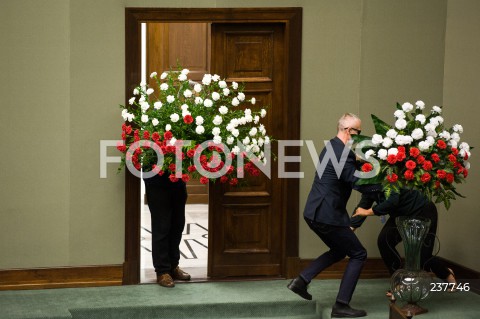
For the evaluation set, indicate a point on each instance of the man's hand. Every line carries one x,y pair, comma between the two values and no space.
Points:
363,212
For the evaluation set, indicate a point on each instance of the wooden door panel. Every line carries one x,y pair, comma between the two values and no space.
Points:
247,221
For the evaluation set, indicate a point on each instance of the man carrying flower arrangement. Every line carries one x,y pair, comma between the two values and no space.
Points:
187,129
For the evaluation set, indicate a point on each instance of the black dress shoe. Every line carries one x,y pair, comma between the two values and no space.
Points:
341,310
299,286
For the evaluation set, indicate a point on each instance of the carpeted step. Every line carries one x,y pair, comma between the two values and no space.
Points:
282,309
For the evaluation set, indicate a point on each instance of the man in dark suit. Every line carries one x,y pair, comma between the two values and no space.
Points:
326,214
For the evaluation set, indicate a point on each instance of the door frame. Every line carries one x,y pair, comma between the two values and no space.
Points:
292,19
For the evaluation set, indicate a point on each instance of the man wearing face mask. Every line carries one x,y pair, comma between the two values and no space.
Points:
326,214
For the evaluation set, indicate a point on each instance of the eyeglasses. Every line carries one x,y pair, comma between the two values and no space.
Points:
356,130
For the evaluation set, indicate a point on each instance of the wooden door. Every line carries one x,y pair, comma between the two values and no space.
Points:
246,236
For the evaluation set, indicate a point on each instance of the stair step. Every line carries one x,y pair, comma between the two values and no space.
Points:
197,189
197,199
286,309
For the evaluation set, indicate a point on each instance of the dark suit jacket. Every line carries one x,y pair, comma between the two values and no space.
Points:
329,195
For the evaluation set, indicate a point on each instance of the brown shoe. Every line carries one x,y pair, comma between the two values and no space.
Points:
165,280
179,274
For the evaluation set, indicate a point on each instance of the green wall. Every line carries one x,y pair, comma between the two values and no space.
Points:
63,65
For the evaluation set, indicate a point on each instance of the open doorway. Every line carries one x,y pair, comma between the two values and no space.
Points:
167,46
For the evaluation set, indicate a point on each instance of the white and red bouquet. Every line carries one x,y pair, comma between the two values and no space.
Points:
419,152
183,128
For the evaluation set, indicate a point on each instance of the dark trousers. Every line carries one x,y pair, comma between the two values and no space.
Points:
389,238
342,242
167,209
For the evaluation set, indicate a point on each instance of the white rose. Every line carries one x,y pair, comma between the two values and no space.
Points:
150,91
144,106
445,135
452,143
208,103
420,105
417,134
382,154
174,117
217,120
400,124
464,146
235,132
216,131
253,131
168,127
185,113
170,99
423,146
135,91
215,96
234,85
173,141
430,127
163,75
223,110
226,91
199,120
263,113
187,93
143,84
403,140
222,84
199,129
207,79
466,165
164,86
217,139
184,107
387,142
144,118
235,101
399,114
230,140
458,128
241,96
253,100
216,77
455,136
256,119
157,105
407,107
430,140
260,142
267,140
131,101
141,99
420,118
236,150
185,71
392,133
369,153
393,151
155,122
436,109
130,117
153,74
197,87
439,119
198,100
246,140
182,77
377,139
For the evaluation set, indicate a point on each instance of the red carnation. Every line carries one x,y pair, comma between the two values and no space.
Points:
441,174
203,180
190,153
168,135
401,156
146,135
172,178
455,151
392,178
121,147
367,167
441,144
401,149
128,129
450,178
392,159
414,152
188,119
437,184
161,172
452,158
172,167
185,178
427,165
223,179
410,164
192,168
465,172
155,136
435,157
425,178
124,136
409,175
234,181
420,159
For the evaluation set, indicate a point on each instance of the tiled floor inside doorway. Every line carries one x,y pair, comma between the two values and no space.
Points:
193,248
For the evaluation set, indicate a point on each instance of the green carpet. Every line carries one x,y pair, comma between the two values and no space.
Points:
251,299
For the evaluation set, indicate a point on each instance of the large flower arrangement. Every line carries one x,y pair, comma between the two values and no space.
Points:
195,129
418,152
